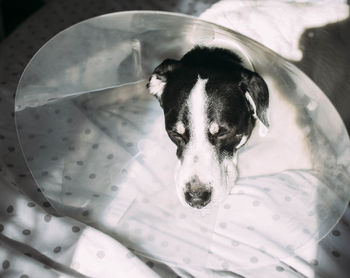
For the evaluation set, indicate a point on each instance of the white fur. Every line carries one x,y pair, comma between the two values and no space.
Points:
252,103
213,128
156,86
263,130
180,128
243,140
199,149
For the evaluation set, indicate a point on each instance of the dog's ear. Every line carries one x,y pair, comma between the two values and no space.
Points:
257,94
158,79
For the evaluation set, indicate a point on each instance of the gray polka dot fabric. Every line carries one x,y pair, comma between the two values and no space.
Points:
42,236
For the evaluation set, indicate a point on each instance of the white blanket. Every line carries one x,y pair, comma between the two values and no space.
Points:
256,233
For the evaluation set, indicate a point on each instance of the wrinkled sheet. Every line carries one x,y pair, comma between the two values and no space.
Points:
30,239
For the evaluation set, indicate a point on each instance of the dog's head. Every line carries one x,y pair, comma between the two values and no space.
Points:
211,104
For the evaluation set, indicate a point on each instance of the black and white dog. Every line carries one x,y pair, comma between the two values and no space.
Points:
211,104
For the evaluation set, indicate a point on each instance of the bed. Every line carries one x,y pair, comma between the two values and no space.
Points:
57,235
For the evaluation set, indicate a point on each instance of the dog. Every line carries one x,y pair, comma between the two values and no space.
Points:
211,105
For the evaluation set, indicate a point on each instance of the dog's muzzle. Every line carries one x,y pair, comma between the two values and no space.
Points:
197,194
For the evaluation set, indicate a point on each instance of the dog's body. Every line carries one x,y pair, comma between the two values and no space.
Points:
212,105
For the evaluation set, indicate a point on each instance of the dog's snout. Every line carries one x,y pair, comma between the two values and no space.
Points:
197,194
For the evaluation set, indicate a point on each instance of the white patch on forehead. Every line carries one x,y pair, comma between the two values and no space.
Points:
200,158
213,128
197,105
180,128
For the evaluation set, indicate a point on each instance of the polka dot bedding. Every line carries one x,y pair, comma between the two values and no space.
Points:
36,240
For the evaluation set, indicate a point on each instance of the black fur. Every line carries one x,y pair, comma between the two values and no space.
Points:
227,84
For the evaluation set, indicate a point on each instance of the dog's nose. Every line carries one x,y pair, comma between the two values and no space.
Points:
197,194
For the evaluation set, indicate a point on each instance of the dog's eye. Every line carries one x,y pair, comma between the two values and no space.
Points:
177,137
222,132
